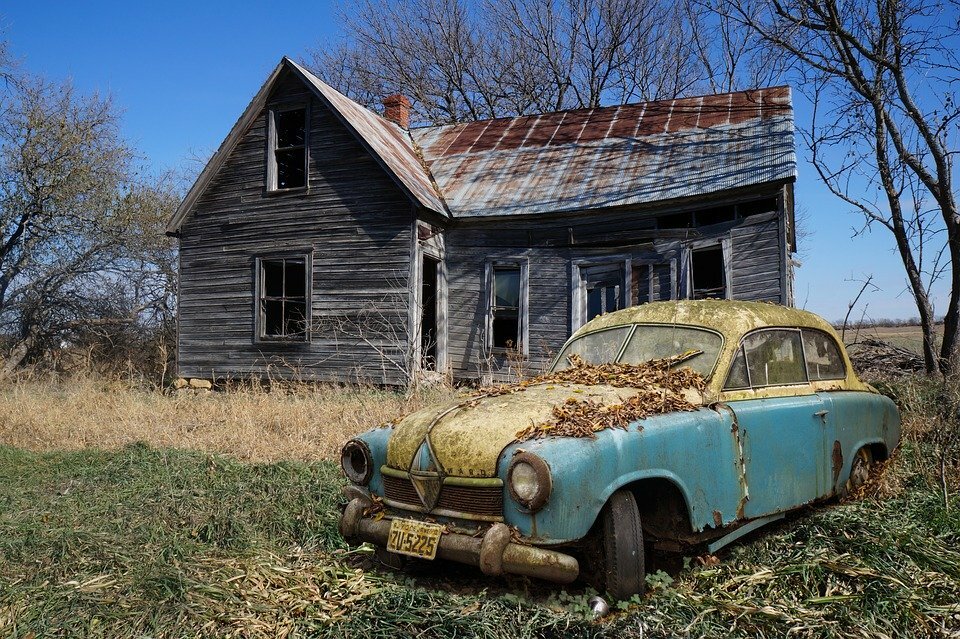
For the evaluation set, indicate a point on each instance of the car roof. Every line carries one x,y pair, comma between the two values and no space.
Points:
731,318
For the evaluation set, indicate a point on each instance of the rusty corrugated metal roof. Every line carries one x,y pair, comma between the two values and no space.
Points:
612,156
564,161
391,144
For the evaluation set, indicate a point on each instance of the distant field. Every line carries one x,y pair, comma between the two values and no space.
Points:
910,337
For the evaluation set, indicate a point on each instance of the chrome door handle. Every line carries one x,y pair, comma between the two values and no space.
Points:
821,413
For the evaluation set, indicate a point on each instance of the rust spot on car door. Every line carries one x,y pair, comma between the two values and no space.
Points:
837,461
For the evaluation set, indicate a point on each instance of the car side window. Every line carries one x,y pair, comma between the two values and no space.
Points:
775,357
737,377
823,356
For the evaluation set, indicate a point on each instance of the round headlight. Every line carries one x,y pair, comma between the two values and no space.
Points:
529,480
357,462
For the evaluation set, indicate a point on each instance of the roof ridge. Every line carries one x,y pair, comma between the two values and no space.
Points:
609,106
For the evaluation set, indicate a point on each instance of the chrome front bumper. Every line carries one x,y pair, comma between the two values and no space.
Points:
493,553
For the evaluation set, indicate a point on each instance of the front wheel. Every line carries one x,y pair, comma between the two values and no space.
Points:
624,572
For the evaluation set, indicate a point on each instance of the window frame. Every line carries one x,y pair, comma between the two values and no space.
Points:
272,171
490,267
259,332
840,352
803,353
634,326
725,243
578,285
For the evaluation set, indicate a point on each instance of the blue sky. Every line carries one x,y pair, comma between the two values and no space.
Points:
183,72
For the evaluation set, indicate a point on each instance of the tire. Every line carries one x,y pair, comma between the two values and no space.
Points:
859,470
624,572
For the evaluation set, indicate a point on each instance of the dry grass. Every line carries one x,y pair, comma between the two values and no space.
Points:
302,423
909,337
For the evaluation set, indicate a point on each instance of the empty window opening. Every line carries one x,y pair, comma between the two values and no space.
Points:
603,286
709,274
289,149
717,215
283,298
505,309
675,221
755,207
428,322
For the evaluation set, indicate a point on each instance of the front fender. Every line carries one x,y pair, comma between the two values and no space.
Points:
376,439
696,451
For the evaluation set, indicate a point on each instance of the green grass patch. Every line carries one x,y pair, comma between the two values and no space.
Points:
163,543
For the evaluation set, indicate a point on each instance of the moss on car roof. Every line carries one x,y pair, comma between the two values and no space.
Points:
732,318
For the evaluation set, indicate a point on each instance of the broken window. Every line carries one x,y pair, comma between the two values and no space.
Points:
283,298
766,205
603,289
708,273
716,215
675,221
288,157
505,311
822,356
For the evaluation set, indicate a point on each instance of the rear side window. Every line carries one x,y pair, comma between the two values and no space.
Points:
737,378
775,357
823,356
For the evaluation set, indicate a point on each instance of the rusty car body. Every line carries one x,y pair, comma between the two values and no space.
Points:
781,421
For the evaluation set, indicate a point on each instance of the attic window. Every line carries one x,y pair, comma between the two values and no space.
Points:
283,295
287,162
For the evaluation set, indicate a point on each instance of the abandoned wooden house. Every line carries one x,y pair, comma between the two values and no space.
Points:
326,241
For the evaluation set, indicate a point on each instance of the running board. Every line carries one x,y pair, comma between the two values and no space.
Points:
743,530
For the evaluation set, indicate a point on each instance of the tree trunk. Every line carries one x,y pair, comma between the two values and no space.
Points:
950,347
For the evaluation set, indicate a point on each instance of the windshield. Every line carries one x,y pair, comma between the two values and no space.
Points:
649,341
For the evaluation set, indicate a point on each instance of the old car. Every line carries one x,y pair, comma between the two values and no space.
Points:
772,417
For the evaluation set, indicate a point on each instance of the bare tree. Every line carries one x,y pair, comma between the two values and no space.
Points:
464,60
81,243
731,57
882,78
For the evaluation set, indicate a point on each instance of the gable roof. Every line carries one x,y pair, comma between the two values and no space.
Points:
385,139
565,161
612,156
388,143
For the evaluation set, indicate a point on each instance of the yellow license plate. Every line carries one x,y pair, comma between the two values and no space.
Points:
414,538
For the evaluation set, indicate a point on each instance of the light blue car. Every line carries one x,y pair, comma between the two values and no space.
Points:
781,421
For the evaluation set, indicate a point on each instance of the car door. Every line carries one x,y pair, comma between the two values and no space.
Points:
782,423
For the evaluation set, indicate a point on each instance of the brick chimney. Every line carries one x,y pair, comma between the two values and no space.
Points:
396,108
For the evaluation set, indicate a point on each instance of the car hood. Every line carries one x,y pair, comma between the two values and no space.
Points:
467,436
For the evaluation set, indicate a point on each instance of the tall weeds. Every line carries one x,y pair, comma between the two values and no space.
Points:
290,422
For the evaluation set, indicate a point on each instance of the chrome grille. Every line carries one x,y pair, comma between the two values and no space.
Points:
477,500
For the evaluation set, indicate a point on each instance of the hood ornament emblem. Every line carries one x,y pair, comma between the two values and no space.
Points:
425,475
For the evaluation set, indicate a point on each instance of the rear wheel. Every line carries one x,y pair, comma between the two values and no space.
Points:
623,553
859,470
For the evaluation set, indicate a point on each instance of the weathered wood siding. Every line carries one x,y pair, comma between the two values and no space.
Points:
552,249
757,260
353,220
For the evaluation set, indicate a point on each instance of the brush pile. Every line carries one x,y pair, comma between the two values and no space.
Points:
660,390
876,356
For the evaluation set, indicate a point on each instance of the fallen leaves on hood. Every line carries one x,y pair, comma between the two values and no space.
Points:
661,390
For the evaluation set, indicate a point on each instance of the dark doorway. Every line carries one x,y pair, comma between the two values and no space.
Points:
428,313
709,274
